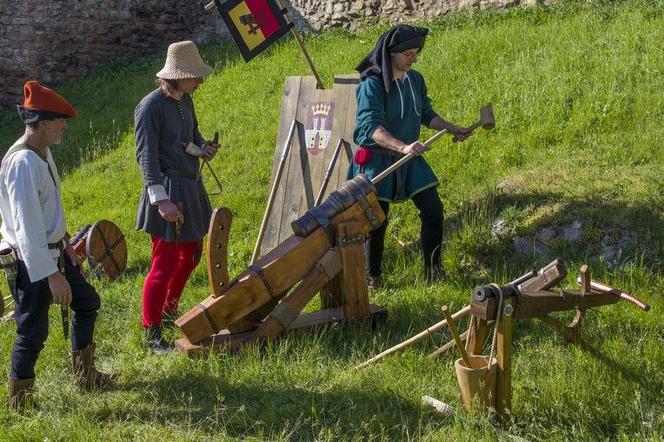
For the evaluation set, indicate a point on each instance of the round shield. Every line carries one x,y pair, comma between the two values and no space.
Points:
107,249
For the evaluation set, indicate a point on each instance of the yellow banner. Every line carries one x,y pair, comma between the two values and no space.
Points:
251,33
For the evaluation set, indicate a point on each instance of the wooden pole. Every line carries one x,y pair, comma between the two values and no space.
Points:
504,360
455,335
310,62
418,337
300,42
378,178
603,288
328,173
210,6
445,348
273,191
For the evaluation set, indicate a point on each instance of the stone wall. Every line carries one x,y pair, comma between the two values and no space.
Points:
58,39
352,14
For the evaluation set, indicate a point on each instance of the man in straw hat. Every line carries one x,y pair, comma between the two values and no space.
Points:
48,268
174,207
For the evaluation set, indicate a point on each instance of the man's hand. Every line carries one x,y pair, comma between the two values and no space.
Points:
416,148
60,289
73,257
209,150
169,211
459,133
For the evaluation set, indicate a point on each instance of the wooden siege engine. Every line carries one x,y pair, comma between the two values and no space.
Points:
532,297
324,255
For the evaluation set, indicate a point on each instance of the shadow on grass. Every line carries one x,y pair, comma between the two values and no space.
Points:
105,101
213,405
468,232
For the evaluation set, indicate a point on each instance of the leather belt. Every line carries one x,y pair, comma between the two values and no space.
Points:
59,245
180,174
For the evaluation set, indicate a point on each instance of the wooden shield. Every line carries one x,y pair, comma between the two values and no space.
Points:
107,249
324,118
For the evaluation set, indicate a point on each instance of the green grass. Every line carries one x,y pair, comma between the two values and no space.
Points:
579,103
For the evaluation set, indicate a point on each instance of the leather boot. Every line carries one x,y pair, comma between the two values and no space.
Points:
168,319
85,374
156,342
374,282
434,274
20,394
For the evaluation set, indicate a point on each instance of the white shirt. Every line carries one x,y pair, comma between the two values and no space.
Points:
31,210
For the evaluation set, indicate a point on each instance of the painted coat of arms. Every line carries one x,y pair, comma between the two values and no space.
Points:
318,130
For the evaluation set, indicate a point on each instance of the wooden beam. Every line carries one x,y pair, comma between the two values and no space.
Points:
504,360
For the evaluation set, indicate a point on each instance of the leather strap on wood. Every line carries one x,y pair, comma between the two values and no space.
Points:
259,271
369,212
209,318
283,314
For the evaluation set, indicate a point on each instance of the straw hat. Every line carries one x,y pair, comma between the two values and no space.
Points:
183,61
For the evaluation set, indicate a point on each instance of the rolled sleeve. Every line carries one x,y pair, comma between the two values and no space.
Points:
28,220
370,111
156,193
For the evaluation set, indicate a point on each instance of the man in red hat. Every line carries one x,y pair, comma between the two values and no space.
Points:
34,227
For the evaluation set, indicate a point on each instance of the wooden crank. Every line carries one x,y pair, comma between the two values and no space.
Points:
523,302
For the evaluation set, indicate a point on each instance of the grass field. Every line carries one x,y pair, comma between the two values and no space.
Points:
578,93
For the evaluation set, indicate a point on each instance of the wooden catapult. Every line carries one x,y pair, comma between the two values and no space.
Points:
324,255
531,296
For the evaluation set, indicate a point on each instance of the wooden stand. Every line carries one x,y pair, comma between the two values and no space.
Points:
339,273
535,304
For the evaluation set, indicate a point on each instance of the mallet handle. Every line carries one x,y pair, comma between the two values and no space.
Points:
602,288
381,176
455,334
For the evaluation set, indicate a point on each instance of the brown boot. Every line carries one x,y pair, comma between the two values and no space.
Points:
20,394
85,374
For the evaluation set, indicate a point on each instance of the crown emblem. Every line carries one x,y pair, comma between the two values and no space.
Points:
321,109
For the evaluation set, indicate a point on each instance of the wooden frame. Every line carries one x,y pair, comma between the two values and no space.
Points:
535,304
267,299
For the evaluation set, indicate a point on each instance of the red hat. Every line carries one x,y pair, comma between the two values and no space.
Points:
41,103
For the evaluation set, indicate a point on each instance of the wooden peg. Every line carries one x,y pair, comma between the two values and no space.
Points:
455,334
585,279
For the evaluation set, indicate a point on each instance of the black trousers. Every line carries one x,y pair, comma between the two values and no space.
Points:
431,232
32,302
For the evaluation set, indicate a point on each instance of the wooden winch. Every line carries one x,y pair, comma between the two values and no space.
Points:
530,298
326,255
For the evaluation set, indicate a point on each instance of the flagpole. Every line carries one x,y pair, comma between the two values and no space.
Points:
211,5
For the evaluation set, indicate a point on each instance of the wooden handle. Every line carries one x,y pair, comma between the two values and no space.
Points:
418,337
273,191
585,279
455,334
603,288
405,159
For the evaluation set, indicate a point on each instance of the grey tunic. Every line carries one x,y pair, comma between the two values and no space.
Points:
162,124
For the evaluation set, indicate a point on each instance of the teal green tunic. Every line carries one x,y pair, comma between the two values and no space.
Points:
401,113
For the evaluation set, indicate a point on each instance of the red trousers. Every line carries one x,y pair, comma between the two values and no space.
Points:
172,263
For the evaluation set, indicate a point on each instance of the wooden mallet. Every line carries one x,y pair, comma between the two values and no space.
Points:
487,120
